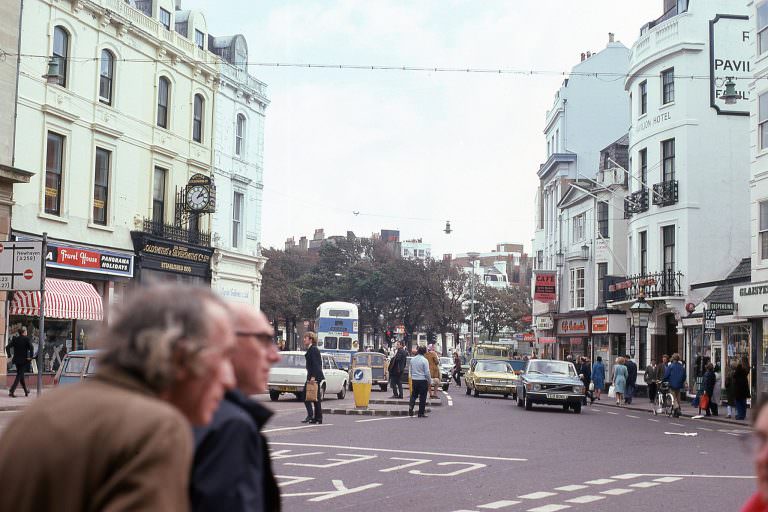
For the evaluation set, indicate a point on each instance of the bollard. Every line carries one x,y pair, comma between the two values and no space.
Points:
361,386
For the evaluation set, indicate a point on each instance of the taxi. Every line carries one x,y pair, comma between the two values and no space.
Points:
491,377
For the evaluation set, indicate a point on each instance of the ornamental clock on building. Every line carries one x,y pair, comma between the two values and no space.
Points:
198,197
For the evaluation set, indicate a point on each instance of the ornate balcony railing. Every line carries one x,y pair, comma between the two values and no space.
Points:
179,234
636,202
666,283
665,193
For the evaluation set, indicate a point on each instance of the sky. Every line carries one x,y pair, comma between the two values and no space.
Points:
365,150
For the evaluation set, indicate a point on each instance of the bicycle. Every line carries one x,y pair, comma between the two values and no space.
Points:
664,403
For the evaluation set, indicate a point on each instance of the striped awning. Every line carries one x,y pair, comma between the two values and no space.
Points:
65,299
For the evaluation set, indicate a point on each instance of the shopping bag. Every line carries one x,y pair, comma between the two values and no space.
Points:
591,386
704,402
612,392
311,393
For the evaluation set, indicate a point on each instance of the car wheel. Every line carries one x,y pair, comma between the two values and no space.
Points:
341,394
576,408
469,391
519,401
566,407
383,387
477,393
274,395
506,395
300,396
528,404
445,387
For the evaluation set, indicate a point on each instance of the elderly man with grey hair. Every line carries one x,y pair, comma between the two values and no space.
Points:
122,440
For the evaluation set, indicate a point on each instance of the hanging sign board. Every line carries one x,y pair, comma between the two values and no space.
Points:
545,287
710,320
730,55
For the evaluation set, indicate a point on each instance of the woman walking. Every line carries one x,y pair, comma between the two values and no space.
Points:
598,376
457,368
620,380
314,374
740,384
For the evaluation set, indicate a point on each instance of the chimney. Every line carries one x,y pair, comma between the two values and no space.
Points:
589,54
178,5
610,37
583,56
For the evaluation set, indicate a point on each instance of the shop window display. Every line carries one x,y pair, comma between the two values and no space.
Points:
58,339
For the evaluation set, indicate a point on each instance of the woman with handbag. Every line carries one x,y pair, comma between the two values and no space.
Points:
598,376
708,383
312,394
620,380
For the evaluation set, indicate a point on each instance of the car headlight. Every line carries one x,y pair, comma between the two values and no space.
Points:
578,389
535,387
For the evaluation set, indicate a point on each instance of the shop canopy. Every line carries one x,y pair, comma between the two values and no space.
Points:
64,299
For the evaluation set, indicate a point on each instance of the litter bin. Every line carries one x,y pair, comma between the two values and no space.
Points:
361,386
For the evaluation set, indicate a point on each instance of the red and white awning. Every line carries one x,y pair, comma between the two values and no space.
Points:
72,300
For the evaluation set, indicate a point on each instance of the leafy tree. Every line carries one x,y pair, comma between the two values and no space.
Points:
499,309
281,291
446,286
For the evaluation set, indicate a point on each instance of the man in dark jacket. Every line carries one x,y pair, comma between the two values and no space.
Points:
675,375
631,379
232,469
314,374
22,355
708,383
396,368
585,373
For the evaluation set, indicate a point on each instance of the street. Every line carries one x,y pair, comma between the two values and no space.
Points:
487,454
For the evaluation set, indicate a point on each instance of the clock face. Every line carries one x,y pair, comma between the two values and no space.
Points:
198,197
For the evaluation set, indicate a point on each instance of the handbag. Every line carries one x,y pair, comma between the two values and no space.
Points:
591,386
311,392
704,402
612,392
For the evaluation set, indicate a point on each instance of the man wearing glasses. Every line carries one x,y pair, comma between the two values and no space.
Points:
232,469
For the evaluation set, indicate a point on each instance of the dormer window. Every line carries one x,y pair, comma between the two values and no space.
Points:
199,39
165,18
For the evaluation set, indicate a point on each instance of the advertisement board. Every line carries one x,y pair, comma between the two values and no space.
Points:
545,286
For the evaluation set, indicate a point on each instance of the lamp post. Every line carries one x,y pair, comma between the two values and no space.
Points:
472,258
730,96
640,313
52,75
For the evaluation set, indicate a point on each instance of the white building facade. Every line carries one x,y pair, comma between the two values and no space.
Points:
689,160
415,249
241,104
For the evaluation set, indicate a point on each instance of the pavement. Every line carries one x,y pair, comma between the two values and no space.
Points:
686,410
19,402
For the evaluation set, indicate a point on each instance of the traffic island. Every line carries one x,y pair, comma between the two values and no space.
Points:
369,412
397,401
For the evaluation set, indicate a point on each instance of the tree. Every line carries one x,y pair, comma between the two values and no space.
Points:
409,306
281,292
446,286
500,309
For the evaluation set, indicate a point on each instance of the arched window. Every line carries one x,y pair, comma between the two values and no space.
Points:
61,52
240,135
197,119
106,76
163,99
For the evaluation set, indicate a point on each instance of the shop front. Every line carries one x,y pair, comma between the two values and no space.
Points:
160,259
609,337
747,342
237,277
573,337
544,329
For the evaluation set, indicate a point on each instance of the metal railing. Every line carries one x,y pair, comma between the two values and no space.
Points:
666,283
179,234
665,193
671,13
636,202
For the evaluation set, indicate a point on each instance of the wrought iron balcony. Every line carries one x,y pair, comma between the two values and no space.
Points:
636,202
666,283
179,234
665,193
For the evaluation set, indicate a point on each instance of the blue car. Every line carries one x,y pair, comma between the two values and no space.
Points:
77,366
549,382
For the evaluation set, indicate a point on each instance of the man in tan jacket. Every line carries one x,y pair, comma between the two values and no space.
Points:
122,440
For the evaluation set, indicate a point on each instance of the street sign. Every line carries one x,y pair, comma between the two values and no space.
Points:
20,265
710,320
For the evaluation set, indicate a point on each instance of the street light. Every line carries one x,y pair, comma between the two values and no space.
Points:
640,313
52,76
472,258
729,95
585,251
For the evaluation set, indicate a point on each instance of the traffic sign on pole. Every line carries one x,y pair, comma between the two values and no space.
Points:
21,265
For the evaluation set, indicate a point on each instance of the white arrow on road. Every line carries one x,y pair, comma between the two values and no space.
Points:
341,490
686,434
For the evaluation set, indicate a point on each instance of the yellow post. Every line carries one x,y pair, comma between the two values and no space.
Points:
361,386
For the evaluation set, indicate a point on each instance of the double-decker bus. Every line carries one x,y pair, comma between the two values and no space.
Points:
337,324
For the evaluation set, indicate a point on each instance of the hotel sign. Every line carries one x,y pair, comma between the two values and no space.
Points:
730,53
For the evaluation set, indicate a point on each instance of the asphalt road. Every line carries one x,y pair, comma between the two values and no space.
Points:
487,454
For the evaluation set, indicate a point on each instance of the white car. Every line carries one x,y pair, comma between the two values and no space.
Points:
290,374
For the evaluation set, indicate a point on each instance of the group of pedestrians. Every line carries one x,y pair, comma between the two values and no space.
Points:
165,424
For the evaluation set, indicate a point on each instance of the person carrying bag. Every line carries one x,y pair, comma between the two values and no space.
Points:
312,398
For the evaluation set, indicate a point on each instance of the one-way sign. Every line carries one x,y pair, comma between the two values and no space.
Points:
20,265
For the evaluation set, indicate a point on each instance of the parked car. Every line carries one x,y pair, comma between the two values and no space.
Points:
378,364
446,368
289,375
77,366
549,382
491,376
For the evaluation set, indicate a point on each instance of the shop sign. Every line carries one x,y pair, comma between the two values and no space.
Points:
529,337
726,307
89,260
751,300
545,287
572,326
600,324
544,323
547,339
729,56
21,265
575,341
172,257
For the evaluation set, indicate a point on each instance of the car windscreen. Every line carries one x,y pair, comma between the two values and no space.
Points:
291,361
74,366
362,360
517,365
446,361
492,366
490,352
552,368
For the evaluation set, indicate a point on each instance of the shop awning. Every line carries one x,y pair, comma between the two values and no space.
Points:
64,299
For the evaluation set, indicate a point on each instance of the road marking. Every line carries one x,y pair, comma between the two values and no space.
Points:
585,499
667,479
630,416
684,434
627,476
600,481
389,450
335,462
676,424
402,466
499,504
472,466
569,488
655,421
281,454
280,411
644,485
616,492
537,495
382,419
280,429
341,490
292,480
549,508
611,412
744,477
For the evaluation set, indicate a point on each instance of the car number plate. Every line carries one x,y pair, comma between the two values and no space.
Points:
557,396
287,389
